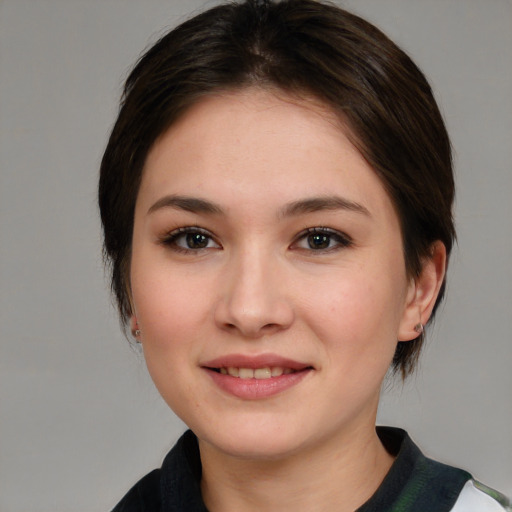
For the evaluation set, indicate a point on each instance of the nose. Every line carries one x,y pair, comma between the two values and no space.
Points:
254,297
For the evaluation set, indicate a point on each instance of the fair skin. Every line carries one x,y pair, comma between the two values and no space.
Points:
264,241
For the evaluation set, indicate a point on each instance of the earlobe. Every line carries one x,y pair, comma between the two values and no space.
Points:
135,329
422,294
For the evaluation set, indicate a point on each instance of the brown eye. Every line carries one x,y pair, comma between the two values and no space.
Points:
318,241
322,239
190,239
196,241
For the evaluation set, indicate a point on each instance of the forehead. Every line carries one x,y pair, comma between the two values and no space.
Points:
228,120
259,145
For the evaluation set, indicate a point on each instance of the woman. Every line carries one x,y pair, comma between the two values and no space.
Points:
276,199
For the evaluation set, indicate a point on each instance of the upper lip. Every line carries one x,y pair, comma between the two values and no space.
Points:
258,361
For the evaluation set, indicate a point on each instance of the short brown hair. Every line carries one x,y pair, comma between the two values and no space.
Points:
302,47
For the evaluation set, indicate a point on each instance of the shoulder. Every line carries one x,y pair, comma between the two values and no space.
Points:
143,496
476,497
418,483
175,486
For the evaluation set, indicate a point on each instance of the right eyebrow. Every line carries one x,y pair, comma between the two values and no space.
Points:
187,203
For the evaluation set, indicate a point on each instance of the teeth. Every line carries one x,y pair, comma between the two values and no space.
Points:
246,373
277,372
233,371
262,373
257,373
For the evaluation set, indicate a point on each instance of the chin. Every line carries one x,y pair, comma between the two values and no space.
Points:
257,442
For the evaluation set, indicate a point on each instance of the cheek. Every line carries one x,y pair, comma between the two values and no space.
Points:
171,307
172,318
357,316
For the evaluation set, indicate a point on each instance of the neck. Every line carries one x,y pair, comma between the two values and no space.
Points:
340,475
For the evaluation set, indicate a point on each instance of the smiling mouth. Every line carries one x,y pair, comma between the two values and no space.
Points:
256,378
264,373
255,373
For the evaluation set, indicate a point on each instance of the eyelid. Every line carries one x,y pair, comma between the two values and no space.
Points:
343,240
340,239
169,239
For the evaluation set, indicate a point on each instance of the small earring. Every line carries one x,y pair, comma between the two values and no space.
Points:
419,328
137,333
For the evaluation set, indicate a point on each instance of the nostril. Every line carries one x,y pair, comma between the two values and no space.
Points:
252,330
251,316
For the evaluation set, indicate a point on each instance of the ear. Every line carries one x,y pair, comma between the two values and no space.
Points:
422,293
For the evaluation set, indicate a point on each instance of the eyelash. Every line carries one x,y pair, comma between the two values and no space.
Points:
340,240
171,239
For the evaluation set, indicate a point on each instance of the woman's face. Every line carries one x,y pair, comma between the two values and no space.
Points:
267,275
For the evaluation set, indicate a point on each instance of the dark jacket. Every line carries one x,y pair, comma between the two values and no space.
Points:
413,484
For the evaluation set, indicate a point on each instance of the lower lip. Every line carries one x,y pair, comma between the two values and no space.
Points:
254,389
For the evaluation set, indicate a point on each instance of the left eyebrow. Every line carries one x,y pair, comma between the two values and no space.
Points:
316,204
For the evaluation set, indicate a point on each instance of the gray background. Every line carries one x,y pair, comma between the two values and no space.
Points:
80,420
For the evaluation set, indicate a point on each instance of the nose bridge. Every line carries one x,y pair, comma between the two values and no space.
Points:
253,302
